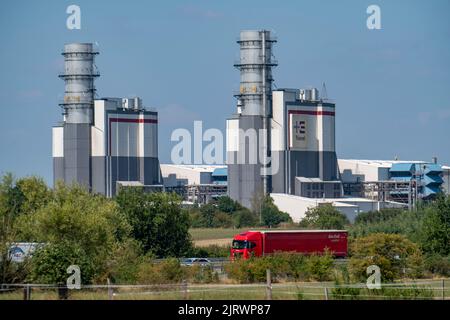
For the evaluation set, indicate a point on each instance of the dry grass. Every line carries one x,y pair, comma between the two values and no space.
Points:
214,233
226,242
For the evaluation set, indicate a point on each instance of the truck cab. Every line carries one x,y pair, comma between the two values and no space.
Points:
246,245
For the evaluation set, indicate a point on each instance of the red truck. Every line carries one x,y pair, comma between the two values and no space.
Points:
260,243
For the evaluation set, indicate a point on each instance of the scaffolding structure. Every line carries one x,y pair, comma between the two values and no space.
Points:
199,193
405,192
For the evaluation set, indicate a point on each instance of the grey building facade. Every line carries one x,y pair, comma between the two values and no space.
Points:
102,142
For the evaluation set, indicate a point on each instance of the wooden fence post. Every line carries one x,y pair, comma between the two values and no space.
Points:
326,293
185,290
110,290
269,285
27,292
443,289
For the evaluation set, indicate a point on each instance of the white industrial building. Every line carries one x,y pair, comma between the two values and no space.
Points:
297,206
175,175
355,170
195,183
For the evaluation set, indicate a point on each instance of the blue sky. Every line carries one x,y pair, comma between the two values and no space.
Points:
391,86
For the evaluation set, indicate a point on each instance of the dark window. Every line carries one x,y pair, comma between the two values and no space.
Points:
240,244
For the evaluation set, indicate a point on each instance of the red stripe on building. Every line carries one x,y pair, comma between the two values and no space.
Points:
133,120
312,113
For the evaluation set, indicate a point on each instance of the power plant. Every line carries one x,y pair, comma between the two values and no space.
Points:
102,143
280,142
291,130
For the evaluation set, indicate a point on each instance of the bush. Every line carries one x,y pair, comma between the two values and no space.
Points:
222,220
202,274
282,266
395,255
319,266
166,271
49,264
378,216
244,218
438,265
123,266
324,217
389,221
157,221
74,226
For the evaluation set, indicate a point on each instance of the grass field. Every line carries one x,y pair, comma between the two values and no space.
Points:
214,233
203,237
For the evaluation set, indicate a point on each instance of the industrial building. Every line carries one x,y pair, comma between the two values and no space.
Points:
102,143
394,180
195,183
297,206
303,144
280,141
183,174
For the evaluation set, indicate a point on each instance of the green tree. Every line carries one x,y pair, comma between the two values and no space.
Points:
324,217
207,213
395,255
436,227
244,218
74,225
35,194
227,205
17,197
50,263
271,215
378,216
157,221
10,201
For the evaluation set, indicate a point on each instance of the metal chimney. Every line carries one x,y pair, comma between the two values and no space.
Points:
79,74
254,99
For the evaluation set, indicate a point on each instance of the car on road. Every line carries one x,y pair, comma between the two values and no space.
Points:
203,262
